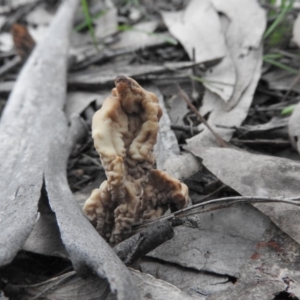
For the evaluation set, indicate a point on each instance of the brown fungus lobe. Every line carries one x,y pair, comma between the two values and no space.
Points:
125,131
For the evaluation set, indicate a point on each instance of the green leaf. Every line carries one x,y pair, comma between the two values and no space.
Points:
273,56
288,110
285,7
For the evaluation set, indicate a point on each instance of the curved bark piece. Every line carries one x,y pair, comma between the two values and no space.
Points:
143,242
35,143
84,245
26,134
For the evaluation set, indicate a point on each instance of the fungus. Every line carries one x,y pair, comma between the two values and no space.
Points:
125,131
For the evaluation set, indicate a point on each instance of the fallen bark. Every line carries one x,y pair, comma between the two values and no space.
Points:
35,144
143,242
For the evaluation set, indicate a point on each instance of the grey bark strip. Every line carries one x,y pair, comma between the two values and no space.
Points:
143,242
35,143
26,134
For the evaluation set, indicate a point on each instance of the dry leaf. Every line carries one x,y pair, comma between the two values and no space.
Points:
106,24
198,27
45,237
189,281
140,36
39,16
221,119
221,78
71,287
218,241
281,80
166,145
6,42
68,286
294,128
296,31
246,25
107,73
258,175
23,41
77,102
152,288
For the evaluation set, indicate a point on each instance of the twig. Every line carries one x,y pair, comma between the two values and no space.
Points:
294,82
95,161
103,56
274,94
241,199
185,128
10,65
195,94
228,201
219,140
262,141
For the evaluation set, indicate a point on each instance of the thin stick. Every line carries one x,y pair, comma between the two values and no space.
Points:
294,82
240,199
219,140
261,141
228,201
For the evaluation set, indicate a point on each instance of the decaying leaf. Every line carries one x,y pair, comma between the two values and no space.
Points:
17,3
214,241
246,25
77,102
220,118
45,237
151,287
23,41
167,150
198,29
6,42
39,16
107,73
281,80
6,87
84,194
274,123
294,122
270,271
178,110
182,166
294,128
107,23
296,31
258,175
140,36
222,78
188,280
166,145
246,53
220,242
70,286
